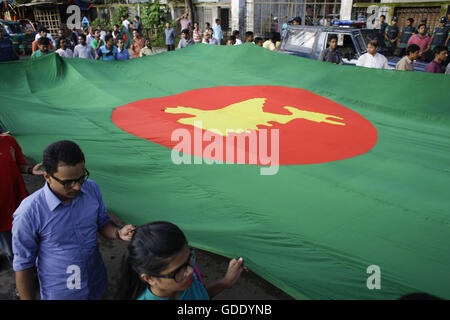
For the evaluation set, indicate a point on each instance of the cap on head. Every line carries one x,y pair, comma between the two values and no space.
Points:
394,19
443,20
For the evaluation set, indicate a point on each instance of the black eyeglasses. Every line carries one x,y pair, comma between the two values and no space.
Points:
68,184
180,273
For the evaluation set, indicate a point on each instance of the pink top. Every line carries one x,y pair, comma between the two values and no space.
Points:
423,43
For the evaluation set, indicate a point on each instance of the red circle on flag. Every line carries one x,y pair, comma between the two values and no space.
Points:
311,128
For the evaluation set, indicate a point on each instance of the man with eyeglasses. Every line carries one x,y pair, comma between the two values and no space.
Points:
55,230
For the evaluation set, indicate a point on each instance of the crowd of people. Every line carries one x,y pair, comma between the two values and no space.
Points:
127,42
411,44
50,236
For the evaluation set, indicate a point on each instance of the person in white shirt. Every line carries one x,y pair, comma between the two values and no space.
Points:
48,36
125,22
372,59
236,35
83,50
89,36
63,51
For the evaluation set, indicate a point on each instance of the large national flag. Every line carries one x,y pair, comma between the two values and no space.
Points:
363,186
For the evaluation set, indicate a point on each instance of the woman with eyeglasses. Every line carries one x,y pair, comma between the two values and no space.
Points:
160,265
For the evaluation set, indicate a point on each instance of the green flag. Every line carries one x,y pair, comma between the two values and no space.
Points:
358,207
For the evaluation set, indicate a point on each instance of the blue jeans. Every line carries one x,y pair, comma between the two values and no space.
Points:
6,244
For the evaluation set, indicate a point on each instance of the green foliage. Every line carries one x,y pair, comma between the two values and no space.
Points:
100,22
117,13
154,16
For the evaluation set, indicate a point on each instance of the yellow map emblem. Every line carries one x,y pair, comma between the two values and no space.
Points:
244,116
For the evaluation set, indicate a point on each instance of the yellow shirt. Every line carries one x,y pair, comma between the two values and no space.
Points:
269,45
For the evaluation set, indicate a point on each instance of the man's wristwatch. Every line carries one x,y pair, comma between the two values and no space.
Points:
30,170
117,234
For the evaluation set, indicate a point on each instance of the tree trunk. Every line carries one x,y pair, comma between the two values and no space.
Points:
190,9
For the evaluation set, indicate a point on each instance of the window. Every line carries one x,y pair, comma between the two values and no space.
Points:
303,39
345,46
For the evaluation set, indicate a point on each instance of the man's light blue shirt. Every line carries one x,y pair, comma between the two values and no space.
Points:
217,32
61,239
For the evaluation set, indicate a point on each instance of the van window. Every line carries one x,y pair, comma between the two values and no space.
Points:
345,45
301,40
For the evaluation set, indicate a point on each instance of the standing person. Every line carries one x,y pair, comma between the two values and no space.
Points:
61,35
284,27
207,26
248,36
12,186
331,54
392,34
422,40
382,25
270,42
42,34
89,36
185,22
63,51
218,34
125,22
44,44
259,41
122,52
236,36
137,45
231,41
74,37
83,50
138,24
160,265
372,59
197,33
440,55
427,30
55,229
147,50
7,52
170,37
185,40
406,33
97,42
212,40
297,21
206,38
47,34
440,34
108,52
407,62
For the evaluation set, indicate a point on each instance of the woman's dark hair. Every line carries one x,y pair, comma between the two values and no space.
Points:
67,152
236,33
150,251
422,24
